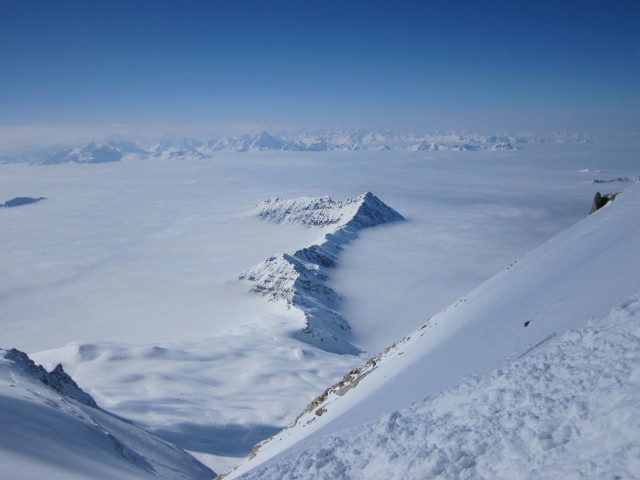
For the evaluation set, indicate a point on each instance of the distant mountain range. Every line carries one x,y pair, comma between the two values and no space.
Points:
190,148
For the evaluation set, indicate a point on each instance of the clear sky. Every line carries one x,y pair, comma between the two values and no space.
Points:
423,65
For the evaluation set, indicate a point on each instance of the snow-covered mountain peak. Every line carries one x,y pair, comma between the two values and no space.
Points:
299,280
366,209
372,211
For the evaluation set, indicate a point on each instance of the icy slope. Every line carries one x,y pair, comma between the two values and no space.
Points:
52,429
585,271
566,410
299,280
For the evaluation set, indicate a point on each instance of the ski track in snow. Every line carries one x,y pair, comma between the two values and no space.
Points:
566,410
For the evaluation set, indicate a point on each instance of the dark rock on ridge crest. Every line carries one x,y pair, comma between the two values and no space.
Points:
57,379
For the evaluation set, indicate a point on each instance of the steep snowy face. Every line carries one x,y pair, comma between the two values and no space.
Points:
299,280
53,429
533,417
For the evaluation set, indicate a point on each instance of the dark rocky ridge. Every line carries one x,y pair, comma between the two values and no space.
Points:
57,379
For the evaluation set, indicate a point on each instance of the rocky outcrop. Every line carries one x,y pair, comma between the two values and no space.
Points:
19,201
600,201
57,379
300,280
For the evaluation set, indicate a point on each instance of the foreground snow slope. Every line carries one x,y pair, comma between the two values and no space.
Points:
566,410
585,271
52,429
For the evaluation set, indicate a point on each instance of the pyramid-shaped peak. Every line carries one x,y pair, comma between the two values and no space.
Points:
266,141
373,211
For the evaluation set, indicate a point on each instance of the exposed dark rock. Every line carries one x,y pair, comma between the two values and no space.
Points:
57,379
19,201
600,201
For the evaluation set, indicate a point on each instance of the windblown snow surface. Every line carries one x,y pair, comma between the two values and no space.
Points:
568,409
558,388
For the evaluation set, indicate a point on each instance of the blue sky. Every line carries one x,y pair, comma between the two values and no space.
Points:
428,65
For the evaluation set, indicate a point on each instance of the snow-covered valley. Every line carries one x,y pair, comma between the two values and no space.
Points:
127,274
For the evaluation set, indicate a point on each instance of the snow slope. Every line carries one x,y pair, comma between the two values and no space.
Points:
568,409
583,272
300,280
52,429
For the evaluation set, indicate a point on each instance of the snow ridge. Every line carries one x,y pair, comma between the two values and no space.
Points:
299,280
